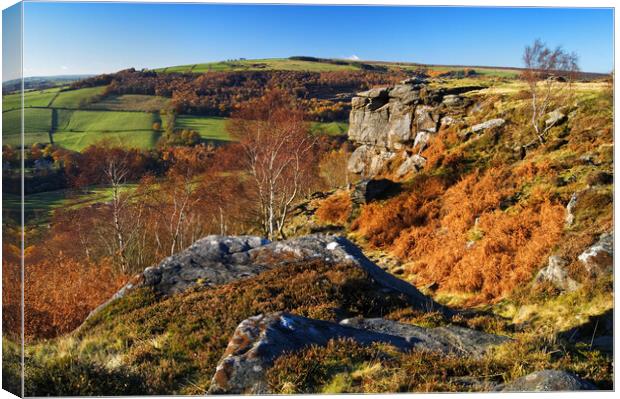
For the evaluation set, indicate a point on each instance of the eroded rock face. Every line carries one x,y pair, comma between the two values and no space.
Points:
386,121
411,164
216,260
259,340
549,381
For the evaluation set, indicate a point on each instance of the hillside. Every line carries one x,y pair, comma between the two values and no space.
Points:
178,317
313,64
464,254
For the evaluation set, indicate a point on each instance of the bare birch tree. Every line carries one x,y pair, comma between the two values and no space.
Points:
277,154
548,74
124,231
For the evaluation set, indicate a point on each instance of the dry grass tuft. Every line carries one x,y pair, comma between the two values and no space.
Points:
335,209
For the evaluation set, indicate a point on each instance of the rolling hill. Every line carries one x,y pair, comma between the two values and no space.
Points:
75,116
313,64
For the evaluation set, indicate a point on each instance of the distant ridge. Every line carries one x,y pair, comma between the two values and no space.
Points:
40,82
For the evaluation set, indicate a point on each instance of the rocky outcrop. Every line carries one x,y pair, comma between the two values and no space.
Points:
596,260
212,260
398,121
216,260
549,381
259,340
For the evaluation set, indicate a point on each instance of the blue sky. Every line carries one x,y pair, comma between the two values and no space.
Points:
70,38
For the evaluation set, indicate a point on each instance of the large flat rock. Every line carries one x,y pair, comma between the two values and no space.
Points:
446,339
216,260
259,341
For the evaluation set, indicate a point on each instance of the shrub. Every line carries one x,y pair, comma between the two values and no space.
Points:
65,376
60,293
459,238
344,366
11,366
382,223
335,209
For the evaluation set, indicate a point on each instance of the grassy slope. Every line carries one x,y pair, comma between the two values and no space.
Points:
210,128
286,64
39,207
75,98
77,141
78,129
260,65
214,128
131,102
37,125
83,121
330,128
144,345
39,98
172,345
554,172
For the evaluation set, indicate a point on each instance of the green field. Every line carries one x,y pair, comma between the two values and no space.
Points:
330,128
268,64
131,102
104,121
209,127
286,64
76,98
37,126
38,207
39,98
214,128
77,141
77,130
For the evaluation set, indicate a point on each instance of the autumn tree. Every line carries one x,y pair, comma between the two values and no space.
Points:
174,204
548,73
276,152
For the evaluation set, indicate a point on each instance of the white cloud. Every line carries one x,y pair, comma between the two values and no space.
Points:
64,67
353,58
